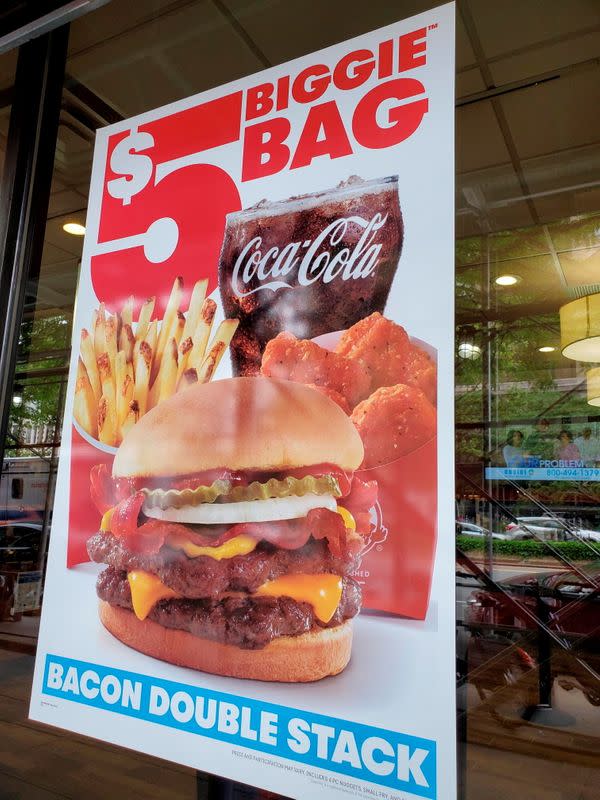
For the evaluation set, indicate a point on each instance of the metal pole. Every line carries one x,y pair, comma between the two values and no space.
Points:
488,402
25,191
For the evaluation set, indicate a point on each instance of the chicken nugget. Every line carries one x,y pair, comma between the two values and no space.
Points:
306,362
384,349
337,398
380,345
392,422
420,371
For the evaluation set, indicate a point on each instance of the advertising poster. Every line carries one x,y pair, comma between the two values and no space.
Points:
251,567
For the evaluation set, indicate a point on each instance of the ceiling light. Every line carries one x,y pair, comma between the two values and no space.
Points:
593,386
546,349
507,280
74,228
469,350
580,328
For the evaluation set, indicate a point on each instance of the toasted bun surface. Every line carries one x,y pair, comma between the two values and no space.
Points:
293,659
239,424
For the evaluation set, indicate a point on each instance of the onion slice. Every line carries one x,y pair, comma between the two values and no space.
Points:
275,508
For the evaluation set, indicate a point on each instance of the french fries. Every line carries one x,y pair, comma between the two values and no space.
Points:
88,357
84,406
124,388
127,341
142,368
202,333
107,420
126,367
170,318
127,312
99,335
219,344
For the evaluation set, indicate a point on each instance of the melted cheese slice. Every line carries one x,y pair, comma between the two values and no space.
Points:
349,520
146,591
107,519
238,546
323,592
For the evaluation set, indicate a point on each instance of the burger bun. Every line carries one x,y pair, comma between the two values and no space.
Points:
290,659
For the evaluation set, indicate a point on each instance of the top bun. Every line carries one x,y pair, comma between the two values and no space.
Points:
239,424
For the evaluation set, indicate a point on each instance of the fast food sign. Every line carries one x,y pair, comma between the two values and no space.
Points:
248,510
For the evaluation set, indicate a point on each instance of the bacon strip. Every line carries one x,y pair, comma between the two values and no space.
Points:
151,535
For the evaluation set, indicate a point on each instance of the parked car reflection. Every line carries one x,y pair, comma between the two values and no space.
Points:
549,528
19,543
470,529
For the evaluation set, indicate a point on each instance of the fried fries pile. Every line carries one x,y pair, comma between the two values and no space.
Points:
125,369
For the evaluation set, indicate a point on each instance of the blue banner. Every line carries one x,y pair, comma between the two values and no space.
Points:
359,751
543,473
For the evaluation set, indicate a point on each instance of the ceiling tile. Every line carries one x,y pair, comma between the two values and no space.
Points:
576,233
284,30
105,23
555,116
224,58
567,204
539,60
469,81
181,53
54,235
521,245
539,281
53,255
479,141
465,55
567,169
65,202
581,267
511,24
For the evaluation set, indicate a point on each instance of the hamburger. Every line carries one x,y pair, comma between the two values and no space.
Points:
231,525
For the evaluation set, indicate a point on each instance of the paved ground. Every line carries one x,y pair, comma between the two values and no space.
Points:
39,763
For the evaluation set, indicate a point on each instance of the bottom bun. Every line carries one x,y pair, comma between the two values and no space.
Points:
293,659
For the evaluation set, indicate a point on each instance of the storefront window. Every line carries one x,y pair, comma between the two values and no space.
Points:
527,418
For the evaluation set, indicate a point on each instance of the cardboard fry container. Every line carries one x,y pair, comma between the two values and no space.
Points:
397,567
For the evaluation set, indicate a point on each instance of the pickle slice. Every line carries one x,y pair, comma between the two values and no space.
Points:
223,492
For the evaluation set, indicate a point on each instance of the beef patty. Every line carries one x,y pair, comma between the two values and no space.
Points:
208,578
247,622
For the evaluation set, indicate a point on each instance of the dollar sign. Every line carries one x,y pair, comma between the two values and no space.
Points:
126,160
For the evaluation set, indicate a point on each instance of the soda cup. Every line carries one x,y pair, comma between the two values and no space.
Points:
309,265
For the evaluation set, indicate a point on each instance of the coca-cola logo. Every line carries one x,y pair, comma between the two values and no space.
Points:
317,263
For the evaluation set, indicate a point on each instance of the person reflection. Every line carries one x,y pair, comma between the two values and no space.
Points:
589,448
513,449
539,443
565,449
